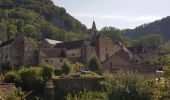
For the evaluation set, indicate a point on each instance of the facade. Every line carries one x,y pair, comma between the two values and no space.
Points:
51,56
19,51
144,54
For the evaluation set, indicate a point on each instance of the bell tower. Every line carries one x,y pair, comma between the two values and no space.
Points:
94,29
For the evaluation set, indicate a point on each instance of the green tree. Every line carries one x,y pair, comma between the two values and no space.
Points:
114,33
47,72
12,77
29,31
127,86
151,40
66,67
94,63
31,78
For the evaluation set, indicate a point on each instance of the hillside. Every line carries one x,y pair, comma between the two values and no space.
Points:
161,27
37,18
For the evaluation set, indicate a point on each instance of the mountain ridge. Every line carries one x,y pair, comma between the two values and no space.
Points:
160,27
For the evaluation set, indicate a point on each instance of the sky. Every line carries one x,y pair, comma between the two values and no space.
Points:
121,14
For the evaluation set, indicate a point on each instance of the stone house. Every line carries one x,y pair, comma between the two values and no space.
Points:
51,56
19,51
145,54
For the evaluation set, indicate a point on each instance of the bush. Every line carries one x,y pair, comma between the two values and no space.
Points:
12,77
94,63
127,86
31,78
58,72
6,66
47,72
66,67
88,95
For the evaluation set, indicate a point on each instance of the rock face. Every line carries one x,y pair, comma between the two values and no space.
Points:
2,34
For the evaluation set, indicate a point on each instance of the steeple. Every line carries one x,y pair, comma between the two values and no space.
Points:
94,29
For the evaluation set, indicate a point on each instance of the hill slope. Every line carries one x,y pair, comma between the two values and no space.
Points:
37,18
161,27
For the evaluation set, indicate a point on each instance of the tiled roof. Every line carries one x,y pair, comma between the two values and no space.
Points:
51,52
53,42
72,44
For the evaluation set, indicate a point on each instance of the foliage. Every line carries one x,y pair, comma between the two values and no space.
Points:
149,40
162,90
159,27
88,95
12,77
37,19
66,67
47,72
18,94
114,33
94,63
91,75
77,67
163,61
127,86
58,72
31,78
6,66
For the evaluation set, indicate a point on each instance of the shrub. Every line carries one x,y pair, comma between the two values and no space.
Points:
127,86
47,72
12,77
66,67
31,78
88,95
94,63
6,66
58,72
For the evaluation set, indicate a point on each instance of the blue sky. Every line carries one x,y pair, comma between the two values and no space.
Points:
117,13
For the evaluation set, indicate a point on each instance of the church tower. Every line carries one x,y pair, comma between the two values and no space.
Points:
94,29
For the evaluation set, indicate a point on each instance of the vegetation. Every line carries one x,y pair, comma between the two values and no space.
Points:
159,27
94,63
112,32
88,95
47,72
66,67
127,86
149,40
38,19
18,94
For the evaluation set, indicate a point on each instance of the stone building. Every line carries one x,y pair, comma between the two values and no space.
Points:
51,56
82,50
19,51
145,54
49,43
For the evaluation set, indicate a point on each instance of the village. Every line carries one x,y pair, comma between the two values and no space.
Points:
113,57
84,50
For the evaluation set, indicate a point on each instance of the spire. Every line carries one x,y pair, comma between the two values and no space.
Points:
94,29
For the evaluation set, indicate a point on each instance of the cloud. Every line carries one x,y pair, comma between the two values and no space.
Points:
131,18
